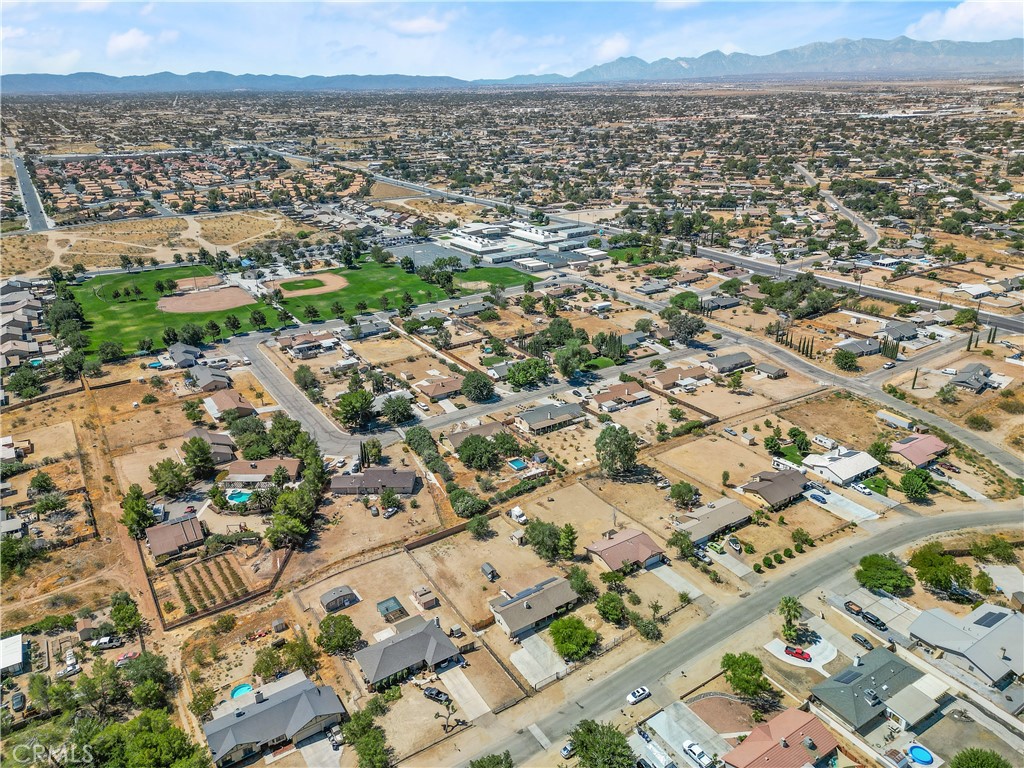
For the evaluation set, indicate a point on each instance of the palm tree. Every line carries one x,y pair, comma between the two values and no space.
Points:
790,610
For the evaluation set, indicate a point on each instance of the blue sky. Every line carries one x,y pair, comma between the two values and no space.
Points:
467,39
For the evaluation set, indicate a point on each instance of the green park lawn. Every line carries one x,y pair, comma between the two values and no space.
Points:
129,320
503,276
368,283
598,363
302,284
624,254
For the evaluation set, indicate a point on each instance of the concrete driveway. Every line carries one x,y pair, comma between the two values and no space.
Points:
537,661
961,486
735,565
677,724
670,576
471,703
318,752
840,506
822,652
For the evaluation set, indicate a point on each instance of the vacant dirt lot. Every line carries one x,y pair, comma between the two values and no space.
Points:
838,415
235,228
705,459
24,253
379,351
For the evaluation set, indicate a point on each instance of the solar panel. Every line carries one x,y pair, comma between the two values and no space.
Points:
848,676
990,619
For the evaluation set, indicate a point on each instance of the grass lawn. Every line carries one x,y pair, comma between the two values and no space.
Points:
503,276
878,484
493,360
790,453
302,284
127,321
598,363
368,283
624,254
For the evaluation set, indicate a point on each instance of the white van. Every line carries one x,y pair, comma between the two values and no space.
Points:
949,371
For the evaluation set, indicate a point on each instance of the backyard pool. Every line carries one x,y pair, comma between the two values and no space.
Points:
156,364
920,755
36,362
240,690
517,464
239,497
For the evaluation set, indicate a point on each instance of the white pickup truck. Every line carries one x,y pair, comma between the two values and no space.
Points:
517,515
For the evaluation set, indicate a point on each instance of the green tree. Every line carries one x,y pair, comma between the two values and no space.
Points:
477,452
845,360
41,482
503,760
567,542
772,444
614,580
881,572
257,319
477,386
25,382
305,379
572,638
879,450
136,514
169,477
373,450
683,543
527,372
601,745
479,527
528,303
355,409
396,410
192,410
683,494
616,450
300,654
544,538
611,607
790,610
916,484
268,663
948,394
125,616
581,583
339,635
745,674
198,457
686,327
202,702
976,757
939,570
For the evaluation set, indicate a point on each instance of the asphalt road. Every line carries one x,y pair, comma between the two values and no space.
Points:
869,232
37,221
606,695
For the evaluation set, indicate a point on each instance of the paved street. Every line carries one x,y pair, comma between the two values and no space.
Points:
870,235
37,220
602,697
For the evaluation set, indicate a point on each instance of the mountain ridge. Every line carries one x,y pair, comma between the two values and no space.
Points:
838,59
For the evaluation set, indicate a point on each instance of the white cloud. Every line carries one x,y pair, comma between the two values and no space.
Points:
11,33
147,9
978,21
612,48
675,5
167,36
421,26
92,6
130,43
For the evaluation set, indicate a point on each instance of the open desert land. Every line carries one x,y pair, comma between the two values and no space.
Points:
235,230
441,211
381,351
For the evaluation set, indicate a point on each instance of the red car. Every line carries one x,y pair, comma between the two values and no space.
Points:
798,653
126,657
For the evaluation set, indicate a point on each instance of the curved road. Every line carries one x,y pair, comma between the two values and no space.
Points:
603,697
869,232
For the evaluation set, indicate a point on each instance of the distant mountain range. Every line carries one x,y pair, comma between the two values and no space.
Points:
838,59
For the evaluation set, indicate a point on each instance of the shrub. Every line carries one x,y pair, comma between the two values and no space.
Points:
1015,407
777,558
799,549
979,423
767,560
788,552
758,568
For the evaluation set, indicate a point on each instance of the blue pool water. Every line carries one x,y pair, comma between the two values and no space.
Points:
240,690
36,362
156,364
517,464
920,755
239,497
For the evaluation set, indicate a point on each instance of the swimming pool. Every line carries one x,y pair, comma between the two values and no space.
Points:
920,755
36,362
240,690
239,497
517,464
156,364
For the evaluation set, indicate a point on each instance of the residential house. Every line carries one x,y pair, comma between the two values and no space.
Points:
499,371
986,643
175,536
374,482
975,377
775,489
222,447
899,331
303,346
706,522
245,472
417,644
184,355
791,739
364,328
379,400
338,597
651,287
621,396
771,370
842,466
671,378
439,387
715,303
12,655
737,361
282,712
470,310
224,400
975,290
526,611
626,549
487,429
917,450
13,527
548,418
210,379
633,339
876,688
860,347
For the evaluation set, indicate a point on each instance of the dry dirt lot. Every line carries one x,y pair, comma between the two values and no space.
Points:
839,415
125,427
251,389
572,446
133,466
236,228
642,419
380,351
24,253
705,459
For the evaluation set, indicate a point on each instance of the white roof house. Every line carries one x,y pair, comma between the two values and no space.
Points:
841,466
12,654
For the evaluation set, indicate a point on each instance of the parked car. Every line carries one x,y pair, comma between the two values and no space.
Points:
661,485
125,658
190,509
874,621
889,366
937,471
567,750
703,556
818,498
696,753
863,642
390,512
730,431
641,763
861,488
374,511
735,543
104,643
335,737
950,467
641,693
18,701
798,653
423,407
577,393
68,671
949,371
434,694
816,486
716,546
